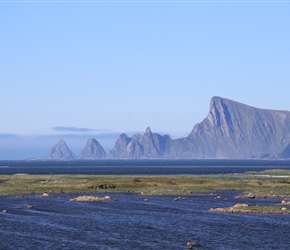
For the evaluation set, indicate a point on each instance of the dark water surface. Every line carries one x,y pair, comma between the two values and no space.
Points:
130,223
128,167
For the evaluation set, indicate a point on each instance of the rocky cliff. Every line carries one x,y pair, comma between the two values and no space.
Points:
148,145
92,150
60,151
231,130
235,130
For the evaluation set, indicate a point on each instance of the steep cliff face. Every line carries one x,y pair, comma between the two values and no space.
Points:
285,153
92,150
231,130
60,151
235,130
119,150
148,145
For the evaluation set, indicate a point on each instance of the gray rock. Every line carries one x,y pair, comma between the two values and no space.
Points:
231,130
92,150
149,145
192,244
251,195
235,130
119,150
60,151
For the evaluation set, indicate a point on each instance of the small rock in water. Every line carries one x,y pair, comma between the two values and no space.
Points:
240,205
86,198
4,211
29,206
45,195
192,244
250,195
146,200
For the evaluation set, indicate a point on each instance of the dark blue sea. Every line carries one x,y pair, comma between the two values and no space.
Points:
129,222
140,167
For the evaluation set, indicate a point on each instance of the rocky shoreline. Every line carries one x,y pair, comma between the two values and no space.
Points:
89,198
246,209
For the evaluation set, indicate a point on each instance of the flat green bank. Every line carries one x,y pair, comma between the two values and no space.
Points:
271,183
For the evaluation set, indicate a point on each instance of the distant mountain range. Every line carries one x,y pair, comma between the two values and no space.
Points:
231,130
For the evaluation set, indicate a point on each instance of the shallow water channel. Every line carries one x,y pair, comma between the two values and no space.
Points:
130,223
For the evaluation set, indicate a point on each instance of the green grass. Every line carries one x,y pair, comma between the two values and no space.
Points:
272,172
150,185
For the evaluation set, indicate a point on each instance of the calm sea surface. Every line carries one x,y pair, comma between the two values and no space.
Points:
130,223
150,167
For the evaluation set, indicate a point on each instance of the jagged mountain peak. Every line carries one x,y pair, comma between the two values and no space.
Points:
230,130
235,130
62,142
60,151
148,130
92,150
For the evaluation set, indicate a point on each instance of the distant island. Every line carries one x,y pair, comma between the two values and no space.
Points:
231,130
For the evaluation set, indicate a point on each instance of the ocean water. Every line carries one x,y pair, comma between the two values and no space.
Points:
130,223
147,167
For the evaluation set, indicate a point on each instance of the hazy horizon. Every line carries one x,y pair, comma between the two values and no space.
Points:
107,67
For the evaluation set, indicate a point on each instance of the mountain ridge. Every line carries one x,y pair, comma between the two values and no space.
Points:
231,130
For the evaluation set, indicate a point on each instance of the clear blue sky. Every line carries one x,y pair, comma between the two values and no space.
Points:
120,66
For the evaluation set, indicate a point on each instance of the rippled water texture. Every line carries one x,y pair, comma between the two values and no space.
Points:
130,223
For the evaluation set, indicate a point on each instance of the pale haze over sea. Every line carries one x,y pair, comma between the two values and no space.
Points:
76,70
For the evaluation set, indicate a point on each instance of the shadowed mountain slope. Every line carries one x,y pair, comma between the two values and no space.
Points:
60,151
231,130
236,130
92,150
148,145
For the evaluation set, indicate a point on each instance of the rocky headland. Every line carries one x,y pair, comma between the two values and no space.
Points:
231,130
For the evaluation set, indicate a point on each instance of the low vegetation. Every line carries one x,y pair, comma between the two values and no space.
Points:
270,183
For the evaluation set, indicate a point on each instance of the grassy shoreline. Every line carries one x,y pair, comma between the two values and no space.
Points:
267,184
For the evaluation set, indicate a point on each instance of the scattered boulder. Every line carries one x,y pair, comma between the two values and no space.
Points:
4,211
251,195
285,203
192,244
45,195
103,186
146,200
86,198
177,198
217,210
240,205
29,206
